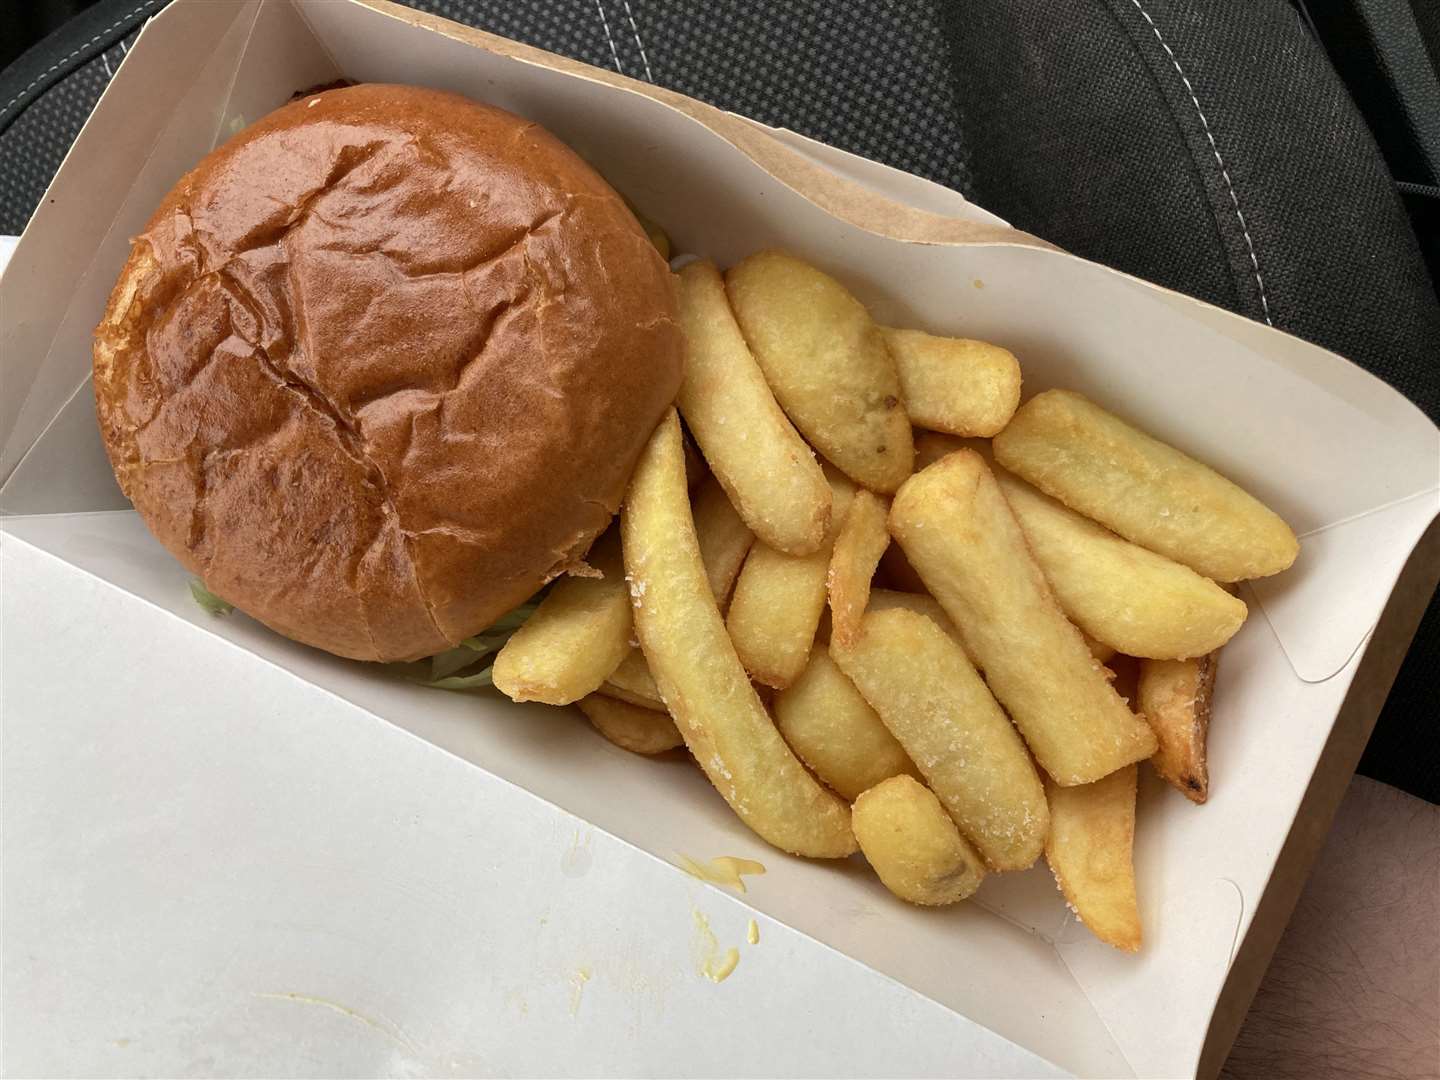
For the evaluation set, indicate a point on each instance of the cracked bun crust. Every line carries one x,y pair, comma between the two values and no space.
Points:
381,365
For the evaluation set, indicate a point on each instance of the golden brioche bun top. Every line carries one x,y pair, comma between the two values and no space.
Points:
381,365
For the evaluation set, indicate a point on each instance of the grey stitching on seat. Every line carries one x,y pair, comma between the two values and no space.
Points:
71,56
1224,172
635,32
608,39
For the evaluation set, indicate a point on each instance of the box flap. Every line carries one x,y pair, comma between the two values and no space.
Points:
883,180
961,957
1319,647
196,902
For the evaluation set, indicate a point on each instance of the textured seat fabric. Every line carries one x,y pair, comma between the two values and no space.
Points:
1220,155
1207,147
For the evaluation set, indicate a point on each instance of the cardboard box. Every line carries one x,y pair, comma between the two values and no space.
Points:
227,852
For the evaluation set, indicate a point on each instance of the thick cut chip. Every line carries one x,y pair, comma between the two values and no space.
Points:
1145,490
631,681
1174,696
641,731
833,729
700,678
775,613
959,533
935,704
913,845
1137,602
956,385
577,635
863,539
1090,852
772,477
724,538
919,602
828,365
724,541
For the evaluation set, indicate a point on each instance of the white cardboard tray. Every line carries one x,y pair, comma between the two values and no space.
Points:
201,816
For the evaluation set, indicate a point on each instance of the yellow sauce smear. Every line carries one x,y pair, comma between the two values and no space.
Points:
724,870
719,972
713,964
577,988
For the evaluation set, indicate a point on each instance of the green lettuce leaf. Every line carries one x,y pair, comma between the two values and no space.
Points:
478,681
447,663
208,600
487,642
448,668
508,624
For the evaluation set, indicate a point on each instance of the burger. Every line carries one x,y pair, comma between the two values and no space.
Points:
380,367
